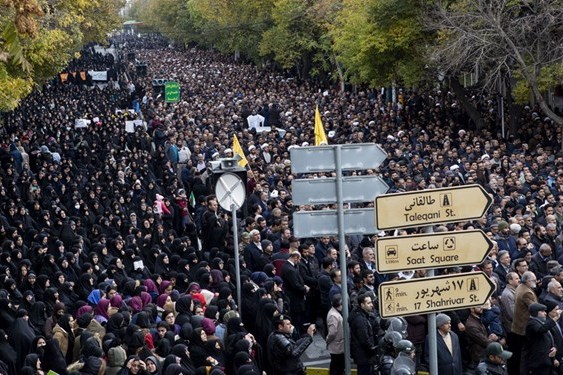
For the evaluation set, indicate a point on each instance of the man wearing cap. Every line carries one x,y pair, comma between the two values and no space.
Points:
494,362
540,347
449,352
283,352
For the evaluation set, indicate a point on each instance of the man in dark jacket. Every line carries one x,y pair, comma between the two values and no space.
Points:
477,336
214,228
283,352
363,330
541,350
295,288
449,351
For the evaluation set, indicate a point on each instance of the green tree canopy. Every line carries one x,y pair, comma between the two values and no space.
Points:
37,39
380,41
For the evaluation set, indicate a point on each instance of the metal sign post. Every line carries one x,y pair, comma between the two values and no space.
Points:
237,258
231,194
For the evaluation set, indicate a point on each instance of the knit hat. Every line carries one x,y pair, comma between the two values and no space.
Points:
265,243
442,319
116,356
550,305
502,225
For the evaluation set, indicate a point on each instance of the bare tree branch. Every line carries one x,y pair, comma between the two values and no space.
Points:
500,37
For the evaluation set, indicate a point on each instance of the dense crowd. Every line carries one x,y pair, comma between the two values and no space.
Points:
117,259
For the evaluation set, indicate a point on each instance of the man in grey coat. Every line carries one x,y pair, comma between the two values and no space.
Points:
335,336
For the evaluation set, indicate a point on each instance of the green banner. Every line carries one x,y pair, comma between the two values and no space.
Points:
171,92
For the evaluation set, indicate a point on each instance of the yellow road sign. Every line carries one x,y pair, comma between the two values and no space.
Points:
436,250
424,207
431,294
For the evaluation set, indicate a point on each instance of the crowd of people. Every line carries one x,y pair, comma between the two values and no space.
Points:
117,259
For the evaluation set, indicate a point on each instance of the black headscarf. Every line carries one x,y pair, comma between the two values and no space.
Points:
180,350
64,323
7,353
21,337
7,315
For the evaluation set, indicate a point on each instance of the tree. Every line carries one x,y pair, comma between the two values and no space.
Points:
233,26
297,38
37,39
502,38
380,41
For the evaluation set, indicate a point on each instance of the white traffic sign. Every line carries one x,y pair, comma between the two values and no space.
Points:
230,191
323,190
321,158
432,206
436,250
432,294
325,222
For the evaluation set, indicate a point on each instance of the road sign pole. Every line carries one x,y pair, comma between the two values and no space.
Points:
237,257
342,250
432,341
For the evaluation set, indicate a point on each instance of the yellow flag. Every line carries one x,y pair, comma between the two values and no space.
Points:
320,136
238,151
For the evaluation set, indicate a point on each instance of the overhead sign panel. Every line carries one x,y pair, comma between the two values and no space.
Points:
426,207
322,158
323,190
436,250
325,222
432,294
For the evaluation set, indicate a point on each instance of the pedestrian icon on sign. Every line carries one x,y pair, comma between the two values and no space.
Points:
389,294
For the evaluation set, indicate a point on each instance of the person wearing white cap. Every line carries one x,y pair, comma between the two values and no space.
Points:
449,351
265,153
456,171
